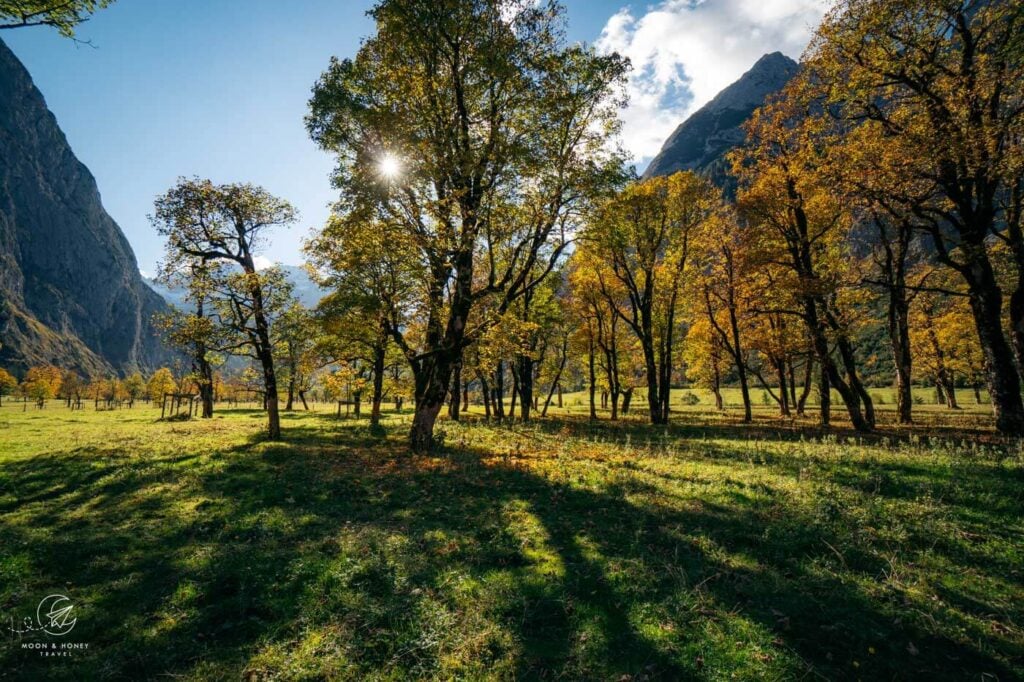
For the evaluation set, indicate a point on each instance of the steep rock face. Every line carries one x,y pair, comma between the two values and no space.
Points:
70,288
701,142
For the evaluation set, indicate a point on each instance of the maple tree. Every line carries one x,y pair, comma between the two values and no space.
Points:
799,225
223,227
471,126
642,235
942,83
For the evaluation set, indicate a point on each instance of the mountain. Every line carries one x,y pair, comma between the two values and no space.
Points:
70,289
701,142
306,290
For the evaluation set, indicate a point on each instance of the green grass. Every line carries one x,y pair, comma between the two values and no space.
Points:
566,550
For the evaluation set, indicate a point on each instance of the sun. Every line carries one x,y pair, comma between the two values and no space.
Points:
389,166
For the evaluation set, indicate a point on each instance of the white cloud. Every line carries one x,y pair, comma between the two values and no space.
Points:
143,273
262,262
685,51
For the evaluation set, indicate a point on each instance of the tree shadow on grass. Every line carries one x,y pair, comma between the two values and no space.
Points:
339,554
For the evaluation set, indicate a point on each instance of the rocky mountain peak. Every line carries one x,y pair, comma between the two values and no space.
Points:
701,142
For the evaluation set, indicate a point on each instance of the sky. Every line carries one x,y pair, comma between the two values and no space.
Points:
218,88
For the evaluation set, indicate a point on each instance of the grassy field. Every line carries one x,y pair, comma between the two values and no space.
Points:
558,550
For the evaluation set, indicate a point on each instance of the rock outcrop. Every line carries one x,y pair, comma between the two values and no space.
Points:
70,289
701,142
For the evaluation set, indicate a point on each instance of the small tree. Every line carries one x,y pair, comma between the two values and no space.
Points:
643,236
161,383
134,387
7,384
41,383
225,226
71,387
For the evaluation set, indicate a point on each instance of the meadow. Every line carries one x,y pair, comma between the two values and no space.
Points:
562,549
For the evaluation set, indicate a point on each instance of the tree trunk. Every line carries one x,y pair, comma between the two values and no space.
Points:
806,391
593,387
485,393
825,397
828,367
455,393
899,340
378,384
525,378
792,381
515,393
1000,367
653,396
627,398
558,377
270,386
499,391
780,368
205,370
943,382
716,385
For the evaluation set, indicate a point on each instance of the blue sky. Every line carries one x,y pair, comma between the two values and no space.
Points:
218,88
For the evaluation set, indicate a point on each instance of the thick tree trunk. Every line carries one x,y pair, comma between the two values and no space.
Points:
431,381
1000,367
525,374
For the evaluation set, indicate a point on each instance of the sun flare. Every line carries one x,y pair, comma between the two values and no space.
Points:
389,166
